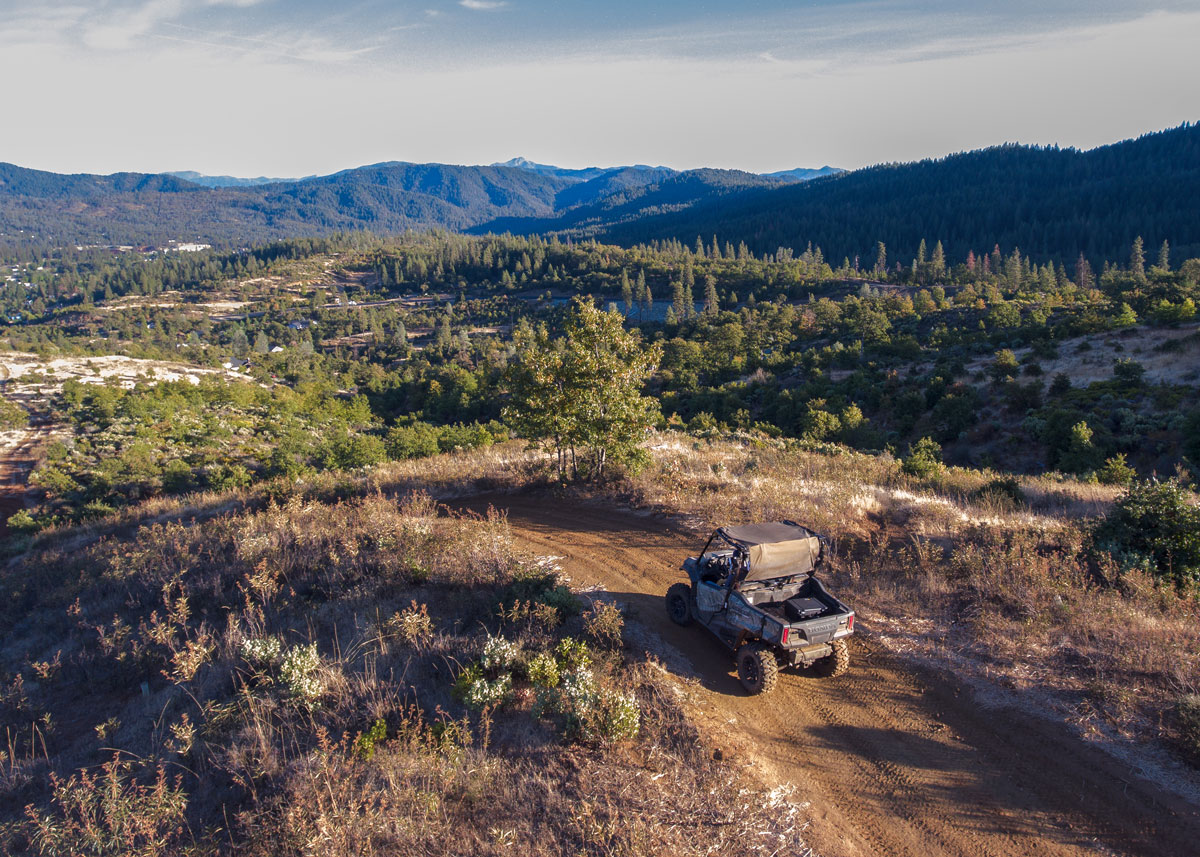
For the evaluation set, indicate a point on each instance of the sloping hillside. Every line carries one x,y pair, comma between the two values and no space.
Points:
1050,202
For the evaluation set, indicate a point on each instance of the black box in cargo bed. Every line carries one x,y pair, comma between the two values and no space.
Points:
799,609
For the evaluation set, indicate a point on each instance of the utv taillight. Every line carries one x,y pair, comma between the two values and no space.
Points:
850,622
785,634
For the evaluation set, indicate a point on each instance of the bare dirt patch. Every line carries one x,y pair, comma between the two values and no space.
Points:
22,369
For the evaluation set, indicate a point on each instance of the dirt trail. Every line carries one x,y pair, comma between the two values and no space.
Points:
895,760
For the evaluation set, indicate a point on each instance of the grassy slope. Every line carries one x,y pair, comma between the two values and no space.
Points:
145,616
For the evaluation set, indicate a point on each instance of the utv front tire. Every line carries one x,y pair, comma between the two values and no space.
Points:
679,603
836,663
758,670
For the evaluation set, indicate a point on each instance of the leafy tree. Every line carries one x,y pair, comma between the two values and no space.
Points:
1081,454
581,393
238,342
1126,317
1005,365
1129,372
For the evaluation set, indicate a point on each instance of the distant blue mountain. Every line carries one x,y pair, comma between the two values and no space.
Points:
584,174
803,174
227,181
799,174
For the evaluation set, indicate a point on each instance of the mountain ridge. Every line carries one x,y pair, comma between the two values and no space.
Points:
1053,203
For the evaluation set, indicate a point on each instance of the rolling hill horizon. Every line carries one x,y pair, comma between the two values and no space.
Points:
1014,195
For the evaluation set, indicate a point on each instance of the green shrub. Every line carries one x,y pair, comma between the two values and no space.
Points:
23,522
543,670
346,451
463,437
417,440
1116,472
365,743
227,477
12,416
539,586
1003,490
96,509
478,692
924,459
177,476
1154,526
572,654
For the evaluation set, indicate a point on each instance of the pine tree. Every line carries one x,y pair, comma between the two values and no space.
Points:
880,260
688,284
626,292
1164,257
1083,273
261,345
678,300
939,260
711,301
1137,260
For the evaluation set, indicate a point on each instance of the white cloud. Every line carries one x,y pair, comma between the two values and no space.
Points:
122,30
277,116
483,5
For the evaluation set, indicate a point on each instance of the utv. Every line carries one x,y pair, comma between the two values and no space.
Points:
753,587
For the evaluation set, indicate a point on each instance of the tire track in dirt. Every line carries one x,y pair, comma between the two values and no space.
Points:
896,760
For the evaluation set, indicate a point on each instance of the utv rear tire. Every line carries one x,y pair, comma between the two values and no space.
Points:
679,603
758,670
836,663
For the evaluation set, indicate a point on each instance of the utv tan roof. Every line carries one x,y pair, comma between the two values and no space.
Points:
776,549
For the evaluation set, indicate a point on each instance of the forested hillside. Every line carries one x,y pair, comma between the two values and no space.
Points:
131,208
1052,203
989,360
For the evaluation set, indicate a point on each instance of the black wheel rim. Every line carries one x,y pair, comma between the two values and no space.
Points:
751,670
678,608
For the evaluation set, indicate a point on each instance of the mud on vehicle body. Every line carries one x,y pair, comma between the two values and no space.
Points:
754,588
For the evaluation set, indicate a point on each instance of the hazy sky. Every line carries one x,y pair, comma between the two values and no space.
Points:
294,87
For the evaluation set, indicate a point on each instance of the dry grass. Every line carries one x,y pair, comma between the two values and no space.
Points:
179,632
1095,359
